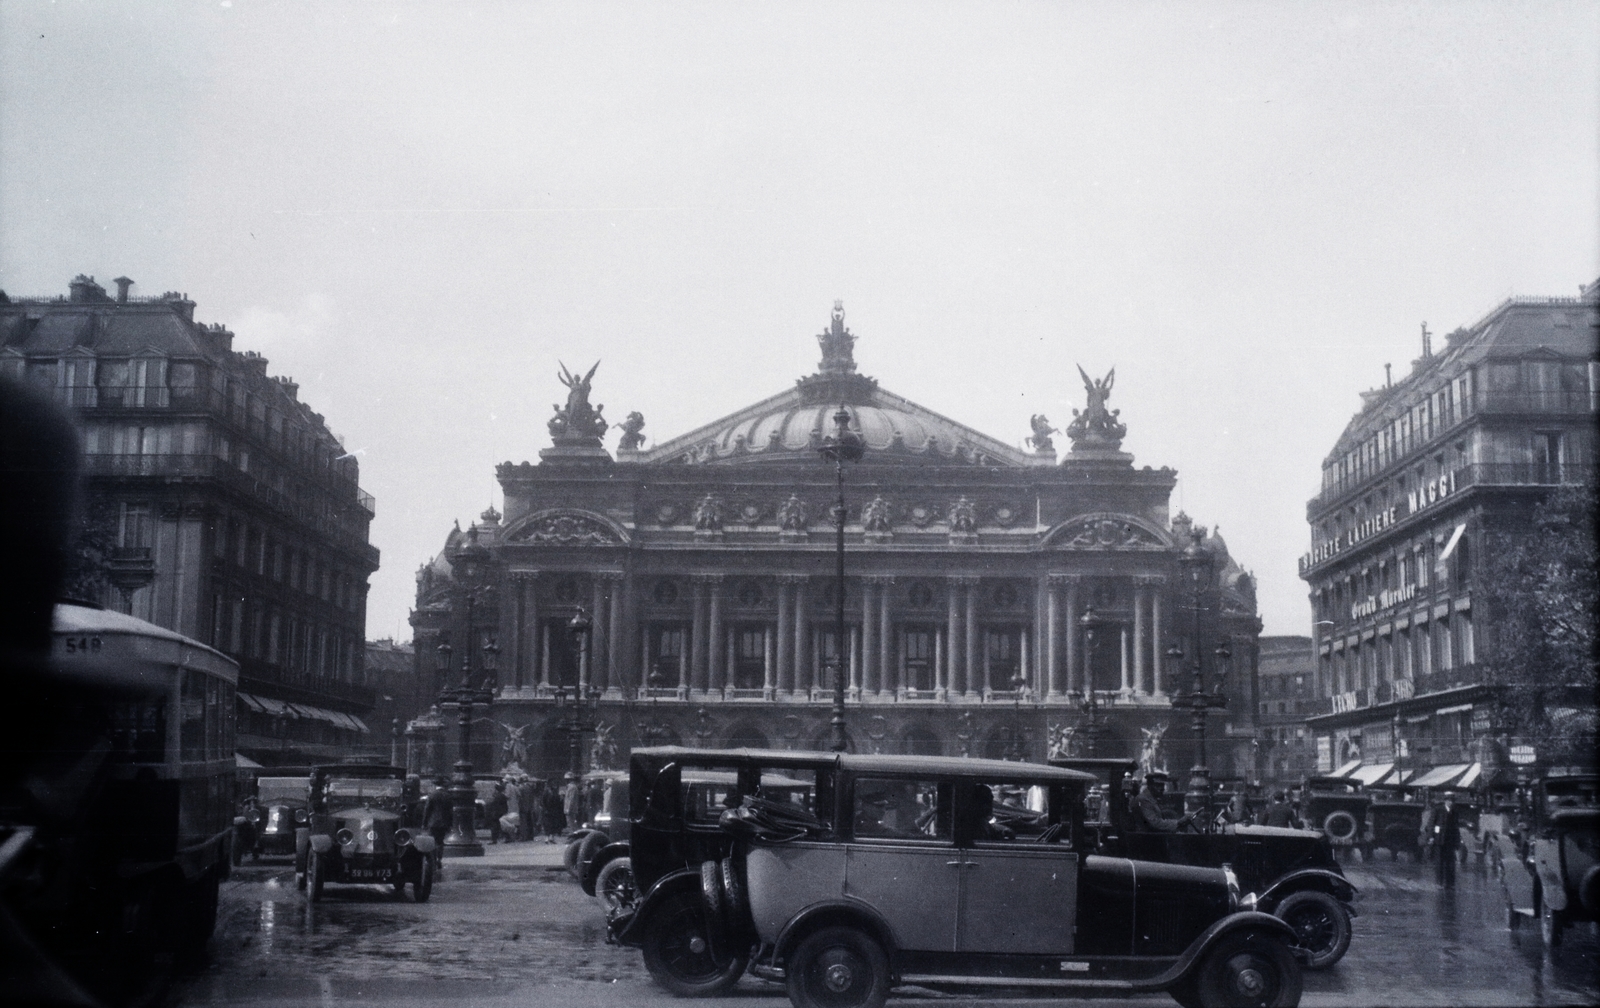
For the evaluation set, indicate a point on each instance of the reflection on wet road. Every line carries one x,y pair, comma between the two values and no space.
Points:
528,936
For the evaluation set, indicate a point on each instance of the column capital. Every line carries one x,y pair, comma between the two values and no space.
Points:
1150,580
879,579
793,579
705,579
968,580
610,575
524,576
1062,580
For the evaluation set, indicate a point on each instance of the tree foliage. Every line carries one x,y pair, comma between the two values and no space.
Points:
94,535
1540,594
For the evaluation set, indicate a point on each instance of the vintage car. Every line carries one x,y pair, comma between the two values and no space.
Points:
1292,872
605,818
1553,873
355,834
898,877
269,822
1394,822
1335,806
710,784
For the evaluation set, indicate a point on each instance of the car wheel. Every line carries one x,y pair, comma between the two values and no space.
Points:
569,857
1251,970
587,849
614,884
1321,923
1551,923
682,953
838,967
1339,825
422,888
315,876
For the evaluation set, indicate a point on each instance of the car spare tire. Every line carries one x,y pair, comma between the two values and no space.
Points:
1322,924
1339,825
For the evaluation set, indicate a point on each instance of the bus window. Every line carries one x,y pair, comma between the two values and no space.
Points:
192,723
139,730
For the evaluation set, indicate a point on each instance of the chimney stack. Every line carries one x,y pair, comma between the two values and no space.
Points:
1427,342
123,283
1387,379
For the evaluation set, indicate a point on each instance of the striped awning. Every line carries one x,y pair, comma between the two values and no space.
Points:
253,702
1347,769
1440,776
1471,776
1371,773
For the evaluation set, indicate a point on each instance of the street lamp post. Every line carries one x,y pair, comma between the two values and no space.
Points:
1196,563
585,702
462,840
844,445
1092,725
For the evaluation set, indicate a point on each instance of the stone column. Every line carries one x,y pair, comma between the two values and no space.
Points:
1140,593
768,665
1122,638
697,639
970,635
594,660
952,644
802,636
1074,665
614,649
525,633
716,675
1052,664
869,627
886,677
852,656
785,672
941,681
1157,634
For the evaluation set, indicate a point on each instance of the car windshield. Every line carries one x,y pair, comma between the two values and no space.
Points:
277,789
354,790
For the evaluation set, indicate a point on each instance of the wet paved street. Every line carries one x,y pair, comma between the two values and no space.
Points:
499,933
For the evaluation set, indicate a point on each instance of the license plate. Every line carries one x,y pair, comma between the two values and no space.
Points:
377,874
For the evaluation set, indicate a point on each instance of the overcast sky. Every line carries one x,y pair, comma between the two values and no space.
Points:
415,209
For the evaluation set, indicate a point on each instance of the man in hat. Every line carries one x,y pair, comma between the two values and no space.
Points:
1148,816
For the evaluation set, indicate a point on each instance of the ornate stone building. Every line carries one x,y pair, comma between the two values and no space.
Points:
231,512
706,564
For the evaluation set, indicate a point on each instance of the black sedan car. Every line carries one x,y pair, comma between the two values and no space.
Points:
898,877
355,834
280,807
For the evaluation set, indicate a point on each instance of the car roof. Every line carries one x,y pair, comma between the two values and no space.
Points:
944,766
359,770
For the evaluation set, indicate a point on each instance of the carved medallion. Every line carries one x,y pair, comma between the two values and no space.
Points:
1107,532
1005,516
922,515
567,530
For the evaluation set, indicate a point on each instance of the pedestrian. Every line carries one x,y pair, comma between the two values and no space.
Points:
494,808
554,818
1447,827
526,805
437,821
1280,813
1148,816
572,801
513,810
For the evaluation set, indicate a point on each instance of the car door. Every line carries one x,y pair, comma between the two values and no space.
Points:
1017,898
902,860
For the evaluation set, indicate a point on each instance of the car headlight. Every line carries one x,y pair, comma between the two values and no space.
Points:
402,837
1233,887
254,815
301,816
344,836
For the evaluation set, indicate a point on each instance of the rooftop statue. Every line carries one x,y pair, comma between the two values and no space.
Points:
632,440
577,420
1096,427
1041,440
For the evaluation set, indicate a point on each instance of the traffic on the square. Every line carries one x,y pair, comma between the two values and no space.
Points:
356,650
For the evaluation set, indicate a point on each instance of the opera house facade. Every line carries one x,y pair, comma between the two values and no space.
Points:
999,601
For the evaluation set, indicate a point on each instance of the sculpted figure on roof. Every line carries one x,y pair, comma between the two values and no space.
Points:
1096,427
577,419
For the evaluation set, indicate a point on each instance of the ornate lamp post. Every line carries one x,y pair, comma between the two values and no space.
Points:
844,445
1093,726
585,705
1196,564
462,840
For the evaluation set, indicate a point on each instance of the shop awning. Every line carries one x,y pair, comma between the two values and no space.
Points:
1440,776
1347,769
1471,776
361,725
252,701
245,762
1371,773
275,707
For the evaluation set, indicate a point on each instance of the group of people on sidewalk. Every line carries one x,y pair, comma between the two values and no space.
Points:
520,808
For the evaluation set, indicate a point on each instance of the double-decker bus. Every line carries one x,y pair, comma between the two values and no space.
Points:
127,822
